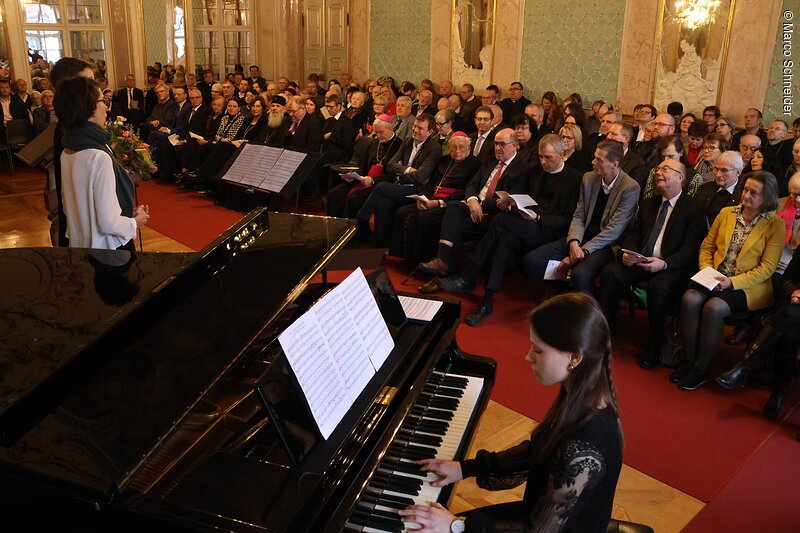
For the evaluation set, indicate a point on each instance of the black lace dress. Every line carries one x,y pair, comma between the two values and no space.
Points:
572,490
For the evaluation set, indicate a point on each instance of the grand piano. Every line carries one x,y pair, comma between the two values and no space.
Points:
133,386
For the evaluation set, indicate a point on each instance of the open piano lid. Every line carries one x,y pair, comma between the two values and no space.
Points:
93,379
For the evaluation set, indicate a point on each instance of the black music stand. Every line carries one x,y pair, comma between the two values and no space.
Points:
289,187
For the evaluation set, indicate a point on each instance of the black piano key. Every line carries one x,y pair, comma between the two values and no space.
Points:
419,419
395,464
449,404
444,391
412,452
380,513
351,529
383,497
409,485
363,519
427,427
438,414
449,381
420,438
386,503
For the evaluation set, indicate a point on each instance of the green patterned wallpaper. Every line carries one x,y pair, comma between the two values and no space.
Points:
773,100
400,39
155,24
571,47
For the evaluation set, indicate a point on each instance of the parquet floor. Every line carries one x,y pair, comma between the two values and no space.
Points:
639,498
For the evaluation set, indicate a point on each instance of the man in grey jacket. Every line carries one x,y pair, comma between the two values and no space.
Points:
606,205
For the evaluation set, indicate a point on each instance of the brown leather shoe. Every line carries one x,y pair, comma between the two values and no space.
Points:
430,287
434,266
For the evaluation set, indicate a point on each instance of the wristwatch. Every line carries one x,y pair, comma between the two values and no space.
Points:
458,526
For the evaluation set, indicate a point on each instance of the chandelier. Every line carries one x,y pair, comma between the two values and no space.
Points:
695,14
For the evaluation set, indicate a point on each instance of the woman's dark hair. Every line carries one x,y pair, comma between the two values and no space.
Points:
575,110
674,140
76,100
770,163
697,129
407,86
577,98
573,322
770,188
67,67
723,142
519,120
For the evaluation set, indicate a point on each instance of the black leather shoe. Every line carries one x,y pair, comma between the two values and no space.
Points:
456,284
475,317
772,409
693,380
648,361
679,373
735,377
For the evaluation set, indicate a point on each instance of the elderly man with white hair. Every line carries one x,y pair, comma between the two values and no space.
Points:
726,189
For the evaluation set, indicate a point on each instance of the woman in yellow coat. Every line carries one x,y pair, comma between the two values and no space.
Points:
744,244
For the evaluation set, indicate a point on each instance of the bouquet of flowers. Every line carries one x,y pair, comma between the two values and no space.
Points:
129,149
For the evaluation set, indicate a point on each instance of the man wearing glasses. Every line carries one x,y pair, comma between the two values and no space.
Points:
483,138
665,237
410,168
663,126
505,172
339,135
726,189
515,103
606,204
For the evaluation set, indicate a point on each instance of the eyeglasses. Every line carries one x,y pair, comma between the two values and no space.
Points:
516,88
441,124
501,144
567,137
721,169
710,147
331,106
661,124
667,167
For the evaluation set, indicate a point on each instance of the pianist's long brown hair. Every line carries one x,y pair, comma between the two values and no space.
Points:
573,322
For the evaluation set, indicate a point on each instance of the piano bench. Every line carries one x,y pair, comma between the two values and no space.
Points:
620,526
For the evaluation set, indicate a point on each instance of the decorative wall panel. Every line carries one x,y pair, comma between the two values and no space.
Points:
782,99
572,46
400,39
155,31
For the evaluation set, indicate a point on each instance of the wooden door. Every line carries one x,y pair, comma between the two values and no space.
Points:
325,34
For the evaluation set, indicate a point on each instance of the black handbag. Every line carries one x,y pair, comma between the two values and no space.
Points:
672,350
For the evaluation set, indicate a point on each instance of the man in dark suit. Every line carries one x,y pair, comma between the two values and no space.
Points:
196,122
13,104
515,104
424,104
205,86
726,189
554,186
536,112
752,126
346,199
607,204
338,138
410,168
158,140
663,126
505,172
667,233
632,164
469,102
482,139
305,133
777,147
255,77
21,89
131,101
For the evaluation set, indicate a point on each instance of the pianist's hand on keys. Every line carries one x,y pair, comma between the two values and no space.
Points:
433,518
448,471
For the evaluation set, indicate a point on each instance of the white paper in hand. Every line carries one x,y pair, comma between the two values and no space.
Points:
552,271
420,197
707,278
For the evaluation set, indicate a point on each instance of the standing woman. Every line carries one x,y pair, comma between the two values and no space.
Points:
98,193
573,459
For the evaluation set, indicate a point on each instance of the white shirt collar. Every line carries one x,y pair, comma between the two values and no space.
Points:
607,188
559,169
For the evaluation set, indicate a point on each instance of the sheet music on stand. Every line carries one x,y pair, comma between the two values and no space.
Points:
335,348
262,167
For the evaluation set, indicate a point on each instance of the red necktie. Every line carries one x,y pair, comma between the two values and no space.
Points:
494,180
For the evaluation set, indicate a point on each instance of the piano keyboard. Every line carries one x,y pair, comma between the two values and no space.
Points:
434,428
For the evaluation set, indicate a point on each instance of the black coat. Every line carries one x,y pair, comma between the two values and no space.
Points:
307,136
514,180
683,234
706,198
556,214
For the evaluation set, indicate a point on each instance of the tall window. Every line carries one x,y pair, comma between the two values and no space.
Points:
58,28
223,34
